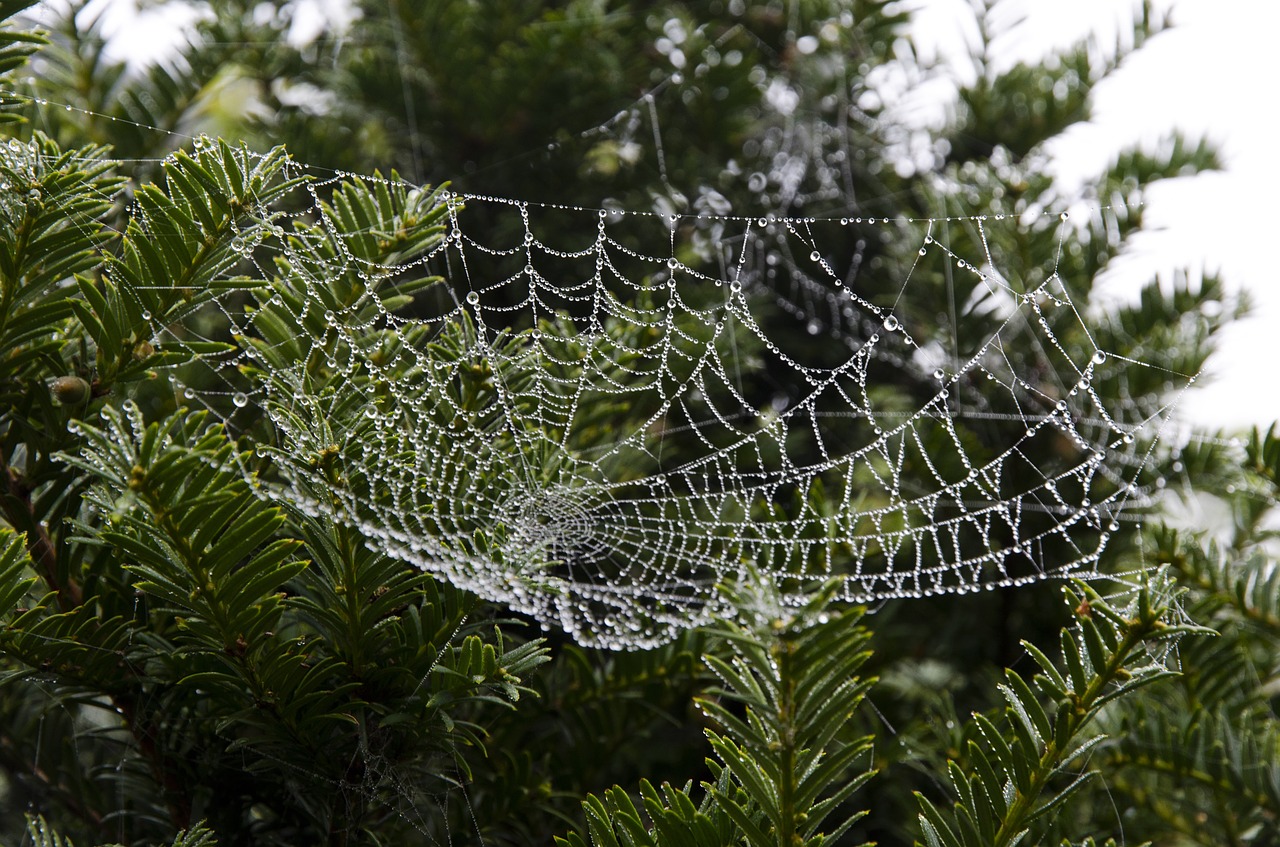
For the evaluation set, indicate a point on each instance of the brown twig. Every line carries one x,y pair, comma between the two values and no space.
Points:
20,513
175,795
68,798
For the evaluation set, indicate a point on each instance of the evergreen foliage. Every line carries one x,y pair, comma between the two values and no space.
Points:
184,662
786,763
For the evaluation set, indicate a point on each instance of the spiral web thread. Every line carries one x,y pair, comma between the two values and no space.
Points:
600,430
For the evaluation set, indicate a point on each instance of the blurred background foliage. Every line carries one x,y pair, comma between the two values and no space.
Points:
338,697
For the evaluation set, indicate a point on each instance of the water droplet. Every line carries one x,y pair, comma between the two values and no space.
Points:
473,298
891,323
939,374
1063,216
762,222
923,251
240,399
673,263
757,182
815,256
1099,357
189,393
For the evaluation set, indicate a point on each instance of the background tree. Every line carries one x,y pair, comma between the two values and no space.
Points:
358,705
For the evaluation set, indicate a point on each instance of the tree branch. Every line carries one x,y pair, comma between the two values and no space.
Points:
20,513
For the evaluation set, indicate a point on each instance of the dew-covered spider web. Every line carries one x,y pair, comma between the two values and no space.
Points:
596,417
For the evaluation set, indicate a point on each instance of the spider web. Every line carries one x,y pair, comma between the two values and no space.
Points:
596,417
599,415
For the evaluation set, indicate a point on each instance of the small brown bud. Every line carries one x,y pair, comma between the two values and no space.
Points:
70,390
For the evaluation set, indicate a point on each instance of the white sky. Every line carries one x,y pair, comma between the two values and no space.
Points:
1210,74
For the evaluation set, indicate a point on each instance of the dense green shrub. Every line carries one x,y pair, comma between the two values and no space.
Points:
185,661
